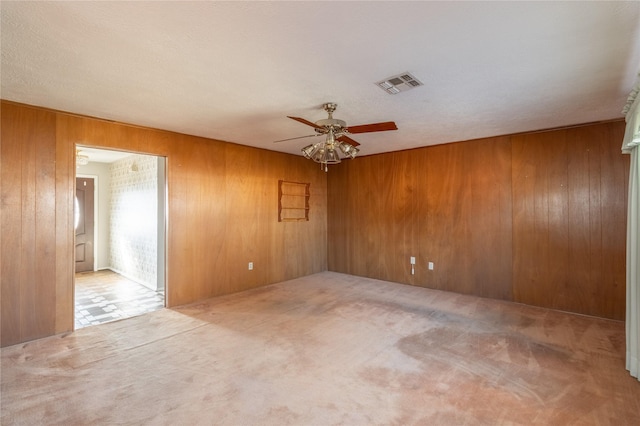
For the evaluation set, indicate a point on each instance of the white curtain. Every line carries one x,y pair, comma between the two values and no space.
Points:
630,145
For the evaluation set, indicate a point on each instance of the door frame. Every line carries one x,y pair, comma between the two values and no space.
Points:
163,218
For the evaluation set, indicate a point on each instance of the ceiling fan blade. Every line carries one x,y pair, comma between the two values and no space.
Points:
348,140
307,122
299,137
375,127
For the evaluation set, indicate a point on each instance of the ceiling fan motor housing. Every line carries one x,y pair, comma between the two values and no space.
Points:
332,122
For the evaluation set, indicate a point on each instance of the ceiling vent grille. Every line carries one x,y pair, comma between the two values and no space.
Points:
399,83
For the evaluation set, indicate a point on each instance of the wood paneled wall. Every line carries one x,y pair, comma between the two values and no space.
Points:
32,225
222,214
569,219
535,218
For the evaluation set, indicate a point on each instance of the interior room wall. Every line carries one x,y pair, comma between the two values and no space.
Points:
536,218
222,213
133,213
101,170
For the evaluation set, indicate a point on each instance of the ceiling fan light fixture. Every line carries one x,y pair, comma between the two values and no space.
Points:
349,150
81,159
337,142
318,153
330,156
307,151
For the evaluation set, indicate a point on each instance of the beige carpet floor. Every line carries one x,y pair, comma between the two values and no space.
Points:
328,349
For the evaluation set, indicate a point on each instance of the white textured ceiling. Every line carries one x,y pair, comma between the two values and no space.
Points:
234,70
97,155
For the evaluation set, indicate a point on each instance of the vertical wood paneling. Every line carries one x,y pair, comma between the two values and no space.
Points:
280,234
250,200
445,200
352,212
530,221
28,285
197,221
569,190
209,183
536,218
613,210
583,214
422,242
296,247
64,237
369,204
490,218
448,206
525,274
557,232
385,229
358,221
468,211
337,199
11,240
558,198
402,204
45,226
28,225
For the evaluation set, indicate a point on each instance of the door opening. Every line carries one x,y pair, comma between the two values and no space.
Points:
84,224
120,269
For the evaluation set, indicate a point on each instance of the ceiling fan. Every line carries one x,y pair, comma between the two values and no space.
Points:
339,127
336,131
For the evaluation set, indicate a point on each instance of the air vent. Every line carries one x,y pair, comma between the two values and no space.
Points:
399,83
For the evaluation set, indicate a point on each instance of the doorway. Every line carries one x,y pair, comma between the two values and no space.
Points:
84,212
120,222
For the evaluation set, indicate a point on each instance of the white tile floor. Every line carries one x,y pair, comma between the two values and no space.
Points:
105,296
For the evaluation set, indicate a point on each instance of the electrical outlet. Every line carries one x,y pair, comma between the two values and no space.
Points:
431,266
251,266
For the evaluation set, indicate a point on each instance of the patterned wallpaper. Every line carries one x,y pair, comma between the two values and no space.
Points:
134,217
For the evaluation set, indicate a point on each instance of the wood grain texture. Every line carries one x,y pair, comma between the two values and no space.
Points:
338,180
11,239
468,214
305,243
222,213
28,224
570,220
402,207
537,218
448,208
197,237
64,238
